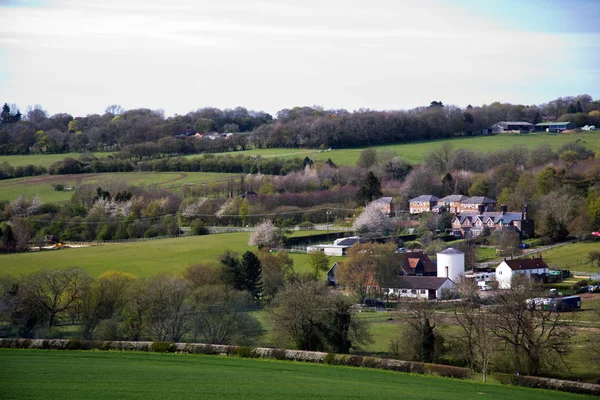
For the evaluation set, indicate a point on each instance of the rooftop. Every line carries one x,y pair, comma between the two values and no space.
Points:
478,200
426,197
419,282
384,200
451,250
526,263
552,123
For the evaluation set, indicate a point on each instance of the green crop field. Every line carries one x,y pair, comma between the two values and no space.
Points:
572,256
142,259
47,374
43,160
414,152
10,189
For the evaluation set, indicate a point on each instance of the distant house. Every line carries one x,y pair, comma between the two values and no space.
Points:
510,268
554,126
425,287
248,195
422,203
472,224
512,126
452,203
417,263
385,204
477,203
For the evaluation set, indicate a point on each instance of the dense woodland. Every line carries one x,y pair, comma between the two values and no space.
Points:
143,133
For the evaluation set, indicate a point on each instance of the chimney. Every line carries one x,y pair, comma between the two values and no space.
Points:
447,275
503,208
481,208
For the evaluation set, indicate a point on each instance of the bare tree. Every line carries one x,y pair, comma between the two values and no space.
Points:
168,309
421,340
51,295
506,242
220,316
538,337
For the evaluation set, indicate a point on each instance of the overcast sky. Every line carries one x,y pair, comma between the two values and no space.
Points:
80,56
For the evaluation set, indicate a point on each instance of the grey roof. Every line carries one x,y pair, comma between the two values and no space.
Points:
495,216
478,200
419,282
552,123
451,250
453,197
426,197
506,123
384,200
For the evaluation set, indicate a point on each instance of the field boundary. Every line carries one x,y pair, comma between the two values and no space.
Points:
298,355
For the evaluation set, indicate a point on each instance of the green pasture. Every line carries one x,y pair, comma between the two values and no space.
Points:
414,152
47,374
10,189
572,256
142,259
43,160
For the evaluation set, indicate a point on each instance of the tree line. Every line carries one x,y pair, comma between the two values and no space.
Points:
144,132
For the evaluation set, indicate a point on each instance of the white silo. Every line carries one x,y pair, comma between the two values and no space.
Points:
450,263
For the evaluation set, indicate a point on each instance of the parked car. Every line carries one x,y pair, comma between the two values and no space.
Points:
523,246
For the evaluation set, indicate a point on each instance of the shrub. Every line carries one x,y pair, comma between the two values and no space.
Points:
448,371
330,359
160,347
245,352
73,345
278,354
197,227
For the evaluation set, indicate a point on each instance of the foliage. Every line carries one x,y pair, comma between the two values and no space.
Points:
266,234
369,190
372,223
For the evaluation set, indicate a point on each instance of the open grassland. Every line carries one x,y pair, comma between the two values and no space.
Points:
572,256
142,259
43,160
414,152
10,189
47,374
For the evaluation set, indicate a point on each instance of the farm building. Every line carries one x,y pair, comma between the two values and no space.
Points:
512,126
554,126
425,287
338,248
510,268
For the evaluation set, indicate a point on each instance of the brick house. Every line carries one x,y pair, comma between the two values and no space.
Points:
422,203
417,263
385,204
477,204
472,224
452,203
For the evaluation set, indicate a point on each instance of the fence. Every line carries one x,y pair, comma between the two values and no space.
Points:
595,276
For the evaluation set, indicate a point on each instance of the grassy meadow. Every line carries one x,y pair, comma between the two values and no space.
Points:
29,374
10,189
572,256
414,152
142,259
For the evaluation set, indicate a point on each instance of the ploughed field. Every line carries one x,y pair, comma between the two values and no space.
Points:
48,374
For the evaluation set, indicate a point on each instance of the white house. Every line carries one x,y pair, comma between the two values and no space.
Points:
426,287
509,268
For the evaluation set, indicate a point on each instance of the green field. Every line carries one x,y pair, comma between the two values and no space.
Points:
10,189
572,256
414,152
142,259
47,374
44,160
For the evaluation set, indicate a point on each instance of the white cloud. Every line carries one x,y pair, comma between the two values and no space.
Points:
79,57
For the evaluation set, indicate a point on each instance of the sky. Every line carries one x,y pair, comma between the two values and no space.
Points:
79,56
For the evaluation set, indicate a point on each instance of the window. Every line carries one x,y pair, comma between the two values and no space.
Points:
403,290
413,291
423,291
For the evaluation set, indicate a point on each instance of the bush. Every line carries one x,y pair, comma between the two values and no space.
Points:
330,359
245,352
278,354
58,187
197,228
448,371
306,226
160,347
